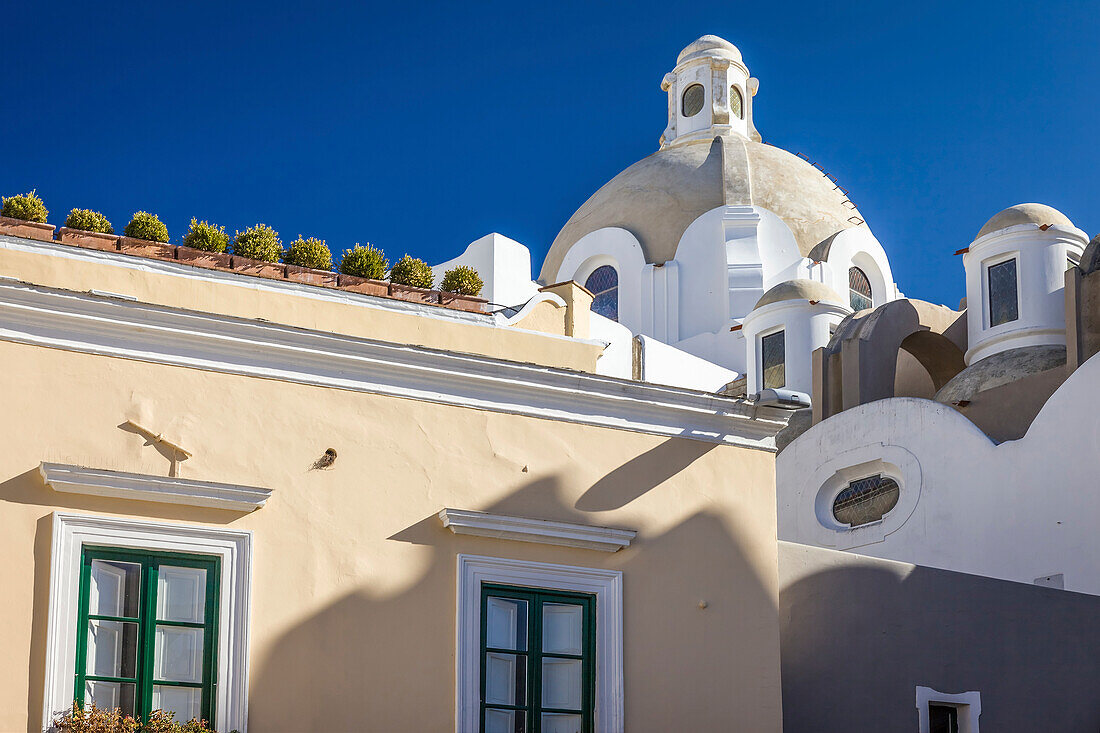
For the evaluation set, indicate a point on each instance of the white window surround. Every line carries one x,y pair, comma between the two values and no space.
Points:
525,529
987,295
144,487
606,585
71,532
969,705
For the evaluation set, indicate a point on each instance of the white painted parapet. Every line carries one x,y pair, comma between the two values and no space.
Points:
504,266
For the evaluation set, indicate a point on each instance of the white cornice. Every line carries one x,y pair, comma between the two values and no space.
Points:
524,529
143,487
93,324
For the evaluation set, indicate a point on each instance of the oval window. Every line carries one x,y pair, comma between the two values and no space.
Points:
692,101
604,285
866,500
737,103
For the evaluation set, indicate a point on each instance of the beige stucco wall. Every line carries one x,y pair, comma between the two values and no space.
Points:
251,297
354,577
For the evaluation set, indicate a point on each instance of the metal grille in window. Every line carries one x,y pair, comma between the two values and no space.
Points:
603,283
692,102
772,348
866,500
859,289
737,103
1003,306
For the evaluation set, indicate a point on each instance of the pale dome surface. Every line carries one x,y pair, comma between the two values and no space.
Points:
800,289
657,198
1025,214
709,46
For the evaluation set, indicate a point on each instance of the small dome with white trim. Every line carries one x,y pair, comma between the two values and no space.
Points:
800,290
1039,214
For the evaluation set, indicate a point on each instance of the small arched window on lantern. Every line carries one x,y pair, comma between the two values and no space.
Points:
603,283
859,289
737,102
691,103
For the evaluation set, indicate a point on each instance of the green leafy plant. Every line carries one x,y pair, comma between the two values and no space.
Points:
309,252
368,262
207,237
462,280
89,221
260,242
413,272
25,206
146,226
91,719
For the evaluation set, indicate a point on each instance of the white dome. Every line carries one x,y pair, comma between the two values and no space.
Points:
1025,214
709,46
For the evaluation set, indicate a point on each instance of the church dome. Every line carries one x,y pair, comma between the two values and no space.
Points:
800,290
1025,214
709,46
657,198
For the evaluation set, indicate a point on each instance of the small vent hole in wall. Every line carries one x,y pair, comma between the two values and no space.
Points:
326,460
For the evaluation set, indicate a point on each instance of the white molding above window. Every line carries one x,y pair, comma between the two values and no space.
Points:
71,532
145,487
90,324
969,705
524,529
606,585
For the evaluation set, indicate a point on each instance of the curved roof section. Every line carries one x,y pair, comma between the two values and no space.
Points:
657,198
1024,214
1001,368
799,290
1090,258
709,46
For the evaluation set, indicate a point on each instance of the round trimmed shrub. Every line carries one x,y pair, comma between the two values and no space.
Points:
260,242
462,280
207,237
412,272
25,206
146,226
87,220
368,262
310,252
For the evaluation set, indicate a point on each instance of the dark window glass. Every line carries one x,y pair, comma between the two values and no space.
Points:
737,103
772,360
537,660
603,283
692,101
1003,306
943,719
859,289
866,500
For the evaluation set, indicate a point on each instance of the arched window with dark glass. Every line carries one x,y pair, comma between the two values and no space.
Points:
859,289
691,103
604,285
737,102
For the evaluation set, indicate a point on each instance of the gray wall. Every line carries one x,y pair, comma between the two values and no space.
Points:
860,634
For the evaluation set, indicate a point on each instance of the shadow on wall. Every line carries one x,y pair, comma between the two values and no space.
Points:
859,639
367,662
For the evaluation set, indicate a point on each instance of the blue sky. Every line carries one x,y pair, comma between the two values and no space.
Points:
420,127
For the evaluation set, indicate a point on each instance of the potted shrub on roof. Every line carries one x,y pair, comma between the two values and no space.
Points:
308,260
205,245
257,251
461,285
362,270
87,228
25,216
411,279
146,236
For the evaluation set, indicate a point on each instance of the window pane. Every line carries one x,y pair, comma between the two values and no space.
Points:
506,623
110,695
561,628
1002,293
114,588
178,654
561,683
692,101
112,648
181,594
505,679
505,721
943,719
772,355
561,723
185,703
604,286
736,103
866,500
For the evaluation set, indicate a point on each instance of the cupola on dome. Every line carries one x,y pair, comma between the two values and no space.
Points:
1039,214
800,289
709,46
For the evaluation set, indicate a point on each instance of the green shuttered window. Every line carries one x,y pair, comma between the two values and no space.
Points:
147,637
537,661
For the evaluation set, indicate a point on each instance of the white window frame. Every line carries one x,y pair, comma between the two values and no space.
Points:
606,585
71,532
781,328
969,705
987,300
